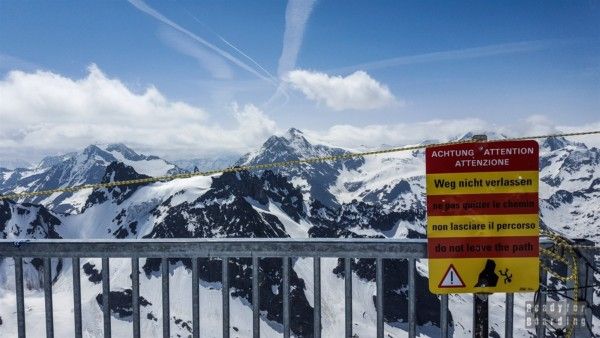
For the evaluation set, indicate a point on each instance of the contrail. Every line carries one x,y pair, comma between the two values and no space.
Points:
245,55
12,62
280,90
142,6
297,13
232,46
458,54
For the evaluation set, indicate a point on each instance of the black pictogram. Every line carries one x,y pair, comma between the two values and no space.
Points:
506,275
488,277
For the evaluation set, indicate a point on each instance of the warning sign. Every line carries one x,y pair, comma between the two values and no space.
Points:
451,279
482,217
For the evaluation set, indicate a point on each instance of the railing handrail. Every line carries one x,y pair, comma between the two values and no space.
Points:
214,239
218,247
221,247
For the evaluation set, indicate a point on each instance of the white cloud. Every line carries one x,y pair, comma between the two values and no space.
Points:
254,122
395,135
356,91
43,113
297,13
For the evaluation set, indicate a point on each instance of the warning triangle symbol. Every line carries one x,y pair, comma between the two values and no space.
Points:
451,279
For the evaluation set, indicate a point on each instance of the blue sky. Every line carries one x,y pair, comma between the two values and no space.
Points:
250,68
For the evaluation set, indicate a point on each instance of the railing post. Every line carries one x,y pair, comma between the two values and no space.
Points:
585,275
480,315
106,297
412,314
379,299
540,316
48,297
225,295
77,297
20,297
135,295
195,300
166,313
286,297
508,315
255,297
348,295
317,296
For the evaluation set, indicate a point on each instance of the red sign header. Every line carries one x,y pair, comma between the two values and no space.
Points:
483,157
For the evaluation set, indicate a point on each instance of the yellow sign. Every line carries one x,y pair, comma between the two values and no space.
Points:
482,217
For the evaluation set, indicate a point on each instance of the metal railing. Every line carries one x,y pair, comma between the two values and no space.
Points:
226,249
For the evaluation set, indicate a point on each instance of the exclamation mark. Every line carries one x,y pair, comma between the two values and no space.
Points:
451,277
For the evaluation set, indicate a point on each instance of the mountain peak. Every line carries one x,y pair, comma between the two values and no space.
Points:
124,150
118,147
50,161
292,145
491,135
558,142
554,143
293,137
293,132
92,149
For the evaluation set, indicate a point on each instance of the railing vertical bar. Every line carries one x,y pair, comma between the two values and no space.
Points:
20,297
77,296
541,327
135,294
379,299
286,297
166,320
481,311
585,296
48,297
255,297
444,316
348,296
195,300
508,320
225,295
412,332
317,296
106,297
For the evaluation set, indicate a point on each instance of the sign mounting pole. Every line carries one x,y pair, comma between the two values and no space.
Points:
481,306
480,315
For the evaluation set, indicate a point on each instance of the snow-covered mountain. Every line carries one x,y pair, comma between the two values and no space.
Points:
377,196
85,167
27,221
314,179
570,185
